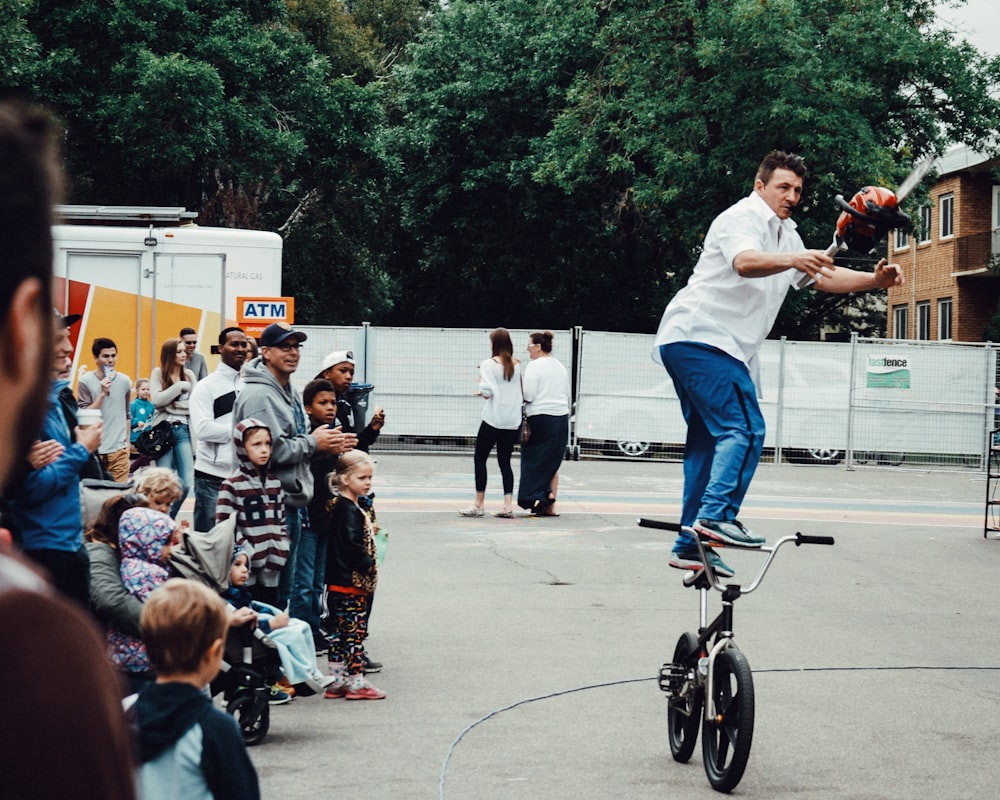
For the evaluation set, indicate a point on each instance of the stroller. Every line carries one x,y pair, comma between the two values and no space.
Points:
250,658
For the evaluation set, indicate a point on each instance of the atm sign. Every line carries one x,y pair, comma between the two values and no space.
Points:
253,314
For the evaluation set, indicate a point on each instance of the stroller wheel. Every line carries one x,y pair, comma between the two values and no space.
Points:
253,722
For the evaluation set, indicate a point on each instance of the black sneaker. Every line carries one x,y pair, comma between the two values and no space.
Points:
690,559
371,666
728,531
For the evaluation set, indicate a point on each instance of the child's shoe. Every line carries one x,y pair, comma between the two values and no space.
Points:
360,689
318,681
278,696
285,686
337,687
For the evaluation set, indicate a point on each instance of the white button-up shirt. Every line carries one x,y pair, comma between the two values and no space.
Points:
720,308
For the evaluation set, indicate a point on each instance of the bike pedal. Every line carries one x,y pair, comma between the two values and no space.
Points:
672,678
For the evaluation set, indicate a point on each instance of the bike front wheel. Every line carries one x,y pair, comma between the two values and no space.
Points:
684,704
727,736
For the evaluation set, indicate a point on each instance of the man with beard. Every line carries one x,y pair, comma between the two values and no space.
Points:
67,700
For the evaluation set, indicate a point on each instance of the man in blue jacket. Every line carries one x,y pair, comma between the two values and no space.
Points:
45,502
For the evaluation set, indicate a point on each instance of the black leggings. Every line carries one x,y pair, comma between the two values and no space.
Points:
504,440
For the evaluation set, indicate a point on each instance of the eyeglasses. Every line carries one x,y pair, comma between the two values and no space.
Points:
286,347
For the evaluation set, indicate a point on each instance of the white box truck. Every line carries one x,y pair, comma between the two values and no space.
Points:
140,274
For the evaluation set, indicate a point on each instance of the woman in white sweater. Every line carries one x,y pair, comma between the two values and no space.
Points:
170,390
547,402
500,385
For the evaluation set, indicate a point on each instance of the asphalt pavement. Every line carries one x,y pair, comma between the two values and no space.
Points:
520,655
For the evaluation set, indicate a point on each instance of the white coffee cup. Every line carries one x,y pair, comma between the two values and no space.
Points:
88,416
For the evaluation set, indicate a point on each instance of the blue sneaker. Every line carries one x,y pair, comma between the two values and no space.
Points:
728,531
689,558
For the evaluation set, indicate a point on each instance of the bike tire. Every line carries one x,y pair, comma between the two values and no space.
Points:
252,718
684,711
726,739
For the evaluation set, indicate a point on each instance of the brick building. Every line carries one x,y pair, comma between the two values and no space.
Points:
951,259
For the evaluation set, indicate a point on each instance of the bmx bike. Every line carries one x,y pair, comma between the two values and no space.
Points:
709,683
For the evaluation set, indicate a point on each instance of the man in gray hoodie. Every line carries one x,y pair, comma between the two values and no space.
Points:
268,395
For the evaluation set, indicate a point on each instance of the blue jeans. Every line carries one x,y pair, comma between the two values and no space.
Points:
307,583
206,498
725,436
181,460
287,577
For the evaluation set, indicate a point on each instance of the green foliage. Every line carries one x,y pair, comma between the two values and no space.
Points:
486,241
518,162
18,46
690,95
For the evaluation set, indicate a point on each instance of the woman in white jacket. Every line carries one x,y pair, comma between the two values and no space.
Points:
500,385
170,390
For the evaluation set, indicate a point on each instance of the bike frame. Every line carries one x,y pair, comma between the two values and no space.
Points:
721,628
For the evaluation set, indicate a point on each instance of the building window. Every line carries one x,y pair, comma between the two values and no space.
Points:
902,240
900,322
925,224
924,320
947,215
944,318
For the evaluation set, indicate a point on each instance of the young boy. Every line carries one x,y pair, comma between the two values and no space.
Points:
109,391
320,401
257,499
187,747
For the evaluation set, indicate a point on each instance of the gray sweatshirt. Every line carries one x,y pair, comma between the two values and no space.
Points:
280,408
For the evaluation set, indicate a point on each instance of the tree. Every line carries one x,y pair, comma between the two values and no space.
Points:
219,106
690,94
18,46
481,238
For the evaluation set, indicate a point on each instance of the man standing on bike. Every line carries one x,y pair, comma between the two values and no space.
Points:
710,335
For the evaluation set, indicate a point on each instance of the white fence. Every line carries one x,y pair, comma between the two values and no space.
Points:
872,401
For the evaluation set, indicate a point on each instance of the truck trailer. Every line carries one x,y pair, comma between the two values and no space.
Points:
138,275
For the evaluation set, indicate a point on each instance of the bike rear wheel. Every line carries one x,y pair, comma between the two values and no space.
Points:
684,705
726,738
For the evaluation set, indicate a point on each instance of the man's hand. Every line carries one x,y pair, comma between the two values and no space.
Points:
44,453
757,264
814,263
378,418
90,437
106,386
887,275
334,440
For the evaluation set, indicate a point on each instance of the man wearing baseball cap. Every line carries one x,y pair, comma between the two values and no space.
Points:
268,395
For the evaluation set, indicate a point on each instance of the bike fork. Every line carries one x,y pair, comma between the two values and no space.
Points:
723,640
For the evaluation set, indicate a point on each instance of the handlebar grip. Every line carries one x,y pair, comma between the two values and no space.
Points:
802,538
660,524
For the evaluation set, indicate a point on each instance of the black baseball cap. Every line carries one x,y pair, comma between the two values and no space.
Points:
68,319
278,332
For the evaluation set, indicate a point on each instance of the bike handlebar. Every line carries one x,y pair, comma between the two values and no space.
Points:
660,524
802,538
676,527
770,550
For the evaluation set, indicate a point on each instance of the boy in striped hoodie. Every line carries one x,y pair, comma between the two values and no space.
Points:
255,495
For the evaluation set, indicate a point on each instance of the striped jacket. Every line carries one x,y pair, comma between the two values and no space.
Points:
259,504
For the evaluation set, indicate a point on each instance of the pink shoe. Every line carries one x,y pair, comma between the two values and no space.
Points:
363,692
335,690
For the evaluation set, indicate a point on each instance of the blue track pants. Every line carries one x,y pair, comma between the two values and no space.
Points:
725,435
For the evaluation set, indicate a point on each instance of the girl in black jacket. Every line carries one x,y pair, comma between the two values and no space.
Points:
351,576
